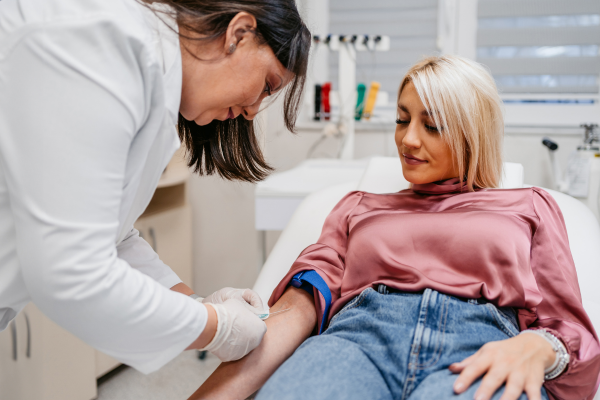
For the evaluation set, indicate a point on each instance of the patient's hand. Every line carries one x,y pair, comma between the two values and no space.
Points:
518,362
285,332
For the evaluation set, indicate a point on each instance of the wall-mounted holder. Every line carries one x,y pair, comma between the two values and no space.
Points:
347,46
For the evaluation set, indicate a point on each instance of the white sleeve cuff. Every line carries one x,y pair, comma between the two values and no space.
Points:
169,280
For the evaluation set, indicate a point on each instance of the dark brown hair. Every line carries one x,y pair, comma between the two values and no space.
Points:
230,148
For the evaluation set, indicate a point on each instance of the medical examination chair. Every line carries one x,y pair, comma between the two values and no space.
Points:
384,175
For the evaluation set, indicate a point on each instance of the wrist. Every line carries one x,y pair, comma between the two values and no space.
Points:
556,364
183,289
209,331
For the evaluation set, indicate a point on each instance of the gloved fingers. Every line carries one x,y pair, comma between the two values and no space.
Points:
242,332
247,296
220,296
253,299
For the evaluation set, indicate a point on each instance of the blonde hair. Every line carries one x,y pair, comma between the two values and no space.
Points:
463,100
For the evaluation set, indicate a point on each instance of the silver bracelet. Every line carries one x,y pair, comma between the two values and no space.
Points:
562,356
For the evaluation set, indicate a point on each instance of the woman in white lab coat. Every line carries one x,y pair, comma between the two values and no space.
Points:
91,92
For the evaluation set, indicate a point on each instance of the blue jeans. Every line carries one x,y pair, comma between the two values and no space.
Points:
396,345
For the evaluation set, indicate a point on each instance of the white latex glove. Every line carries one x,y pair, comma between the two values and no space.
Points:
239,331
247,296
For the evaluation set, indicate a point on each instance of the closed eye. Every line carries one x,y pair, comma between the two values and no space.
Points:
401,122
267,89
431,128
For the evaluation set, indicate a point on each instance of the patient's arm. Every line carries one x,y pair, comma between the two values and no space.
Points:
285,332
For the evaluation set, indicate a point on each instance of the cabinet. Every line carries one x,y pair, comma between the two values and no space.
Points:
41,361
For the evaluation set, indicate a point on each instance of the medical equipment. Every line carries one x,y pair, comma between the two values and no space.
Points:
581,178
317,116
268,314
347,46
325,103
373,90
313,279
360,101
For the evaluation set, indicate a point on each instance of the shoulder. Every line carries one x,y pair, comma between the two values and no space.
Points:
536,196
533,201
351,199
545,204
107,27
106,47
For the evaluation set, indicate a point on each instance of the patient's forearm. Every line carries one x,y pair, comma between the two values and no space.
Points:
285,332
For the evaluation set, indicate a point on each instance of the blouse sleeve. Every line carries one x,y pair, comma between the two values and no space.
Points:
561,311
327,256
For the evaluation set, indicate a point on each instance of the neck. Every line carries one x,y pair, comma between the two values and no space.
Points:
452,185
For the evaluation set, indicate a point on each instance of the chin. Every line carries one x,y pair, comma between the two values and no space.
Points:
417,178
202,120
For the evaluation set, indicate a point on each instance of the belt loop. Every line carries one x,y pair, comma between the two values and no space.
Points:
382,289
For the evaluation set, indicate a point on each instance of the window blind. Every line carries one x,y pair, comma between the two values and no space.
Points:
541,46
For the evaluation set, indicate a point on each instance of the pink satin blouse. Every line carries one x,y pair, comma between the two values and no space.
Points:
508,246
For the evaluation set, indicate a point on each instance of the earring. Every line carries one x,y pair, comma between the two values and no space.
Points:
232,48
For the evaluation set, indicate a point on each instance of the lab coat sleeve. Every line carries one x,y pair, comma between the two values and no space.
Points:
73,95
141,256
328,256
561,310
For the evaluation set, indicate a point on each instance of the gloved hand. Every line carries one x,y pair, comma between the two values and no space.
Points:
239,331
247,296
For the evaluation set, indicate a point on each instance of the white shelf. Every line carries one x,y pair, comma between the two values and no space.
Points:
359,126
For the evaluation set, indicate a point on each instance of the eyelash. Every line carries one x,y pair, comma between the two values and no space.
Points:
268,89
431,128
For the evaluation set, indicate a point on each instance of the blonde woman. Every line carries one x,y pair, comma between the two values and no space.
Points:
445,290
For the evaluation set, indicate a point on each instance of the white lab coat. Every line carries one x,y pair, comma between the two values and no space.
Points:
89,99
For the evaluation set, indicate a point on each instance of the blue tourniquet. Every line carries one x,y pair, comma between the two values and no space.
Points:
307,280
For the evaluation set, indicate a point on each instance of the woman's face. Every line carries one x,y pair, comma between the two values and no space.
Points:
223,85
425,155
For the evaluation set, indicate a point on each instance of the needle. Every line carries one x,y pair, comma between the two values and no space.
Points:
267,315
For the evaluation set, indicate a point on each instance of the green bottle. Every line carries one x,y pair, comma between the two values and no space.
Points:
360,101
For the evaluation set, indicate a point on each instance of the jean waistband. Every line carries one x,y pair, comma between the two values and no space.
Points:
508,312
383,289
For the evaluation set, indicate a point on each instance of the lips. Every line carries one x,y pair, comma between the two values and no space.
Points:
412,160
230,114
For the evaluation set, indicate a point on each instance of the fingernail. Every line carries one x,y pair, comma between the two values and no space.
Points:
478,397
458,386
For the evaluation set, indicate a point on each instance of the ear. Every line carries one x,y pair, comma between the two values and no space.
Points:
240,29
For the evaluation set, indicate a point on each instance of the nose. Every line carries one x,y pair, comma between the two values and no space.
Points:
249,112
412,140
